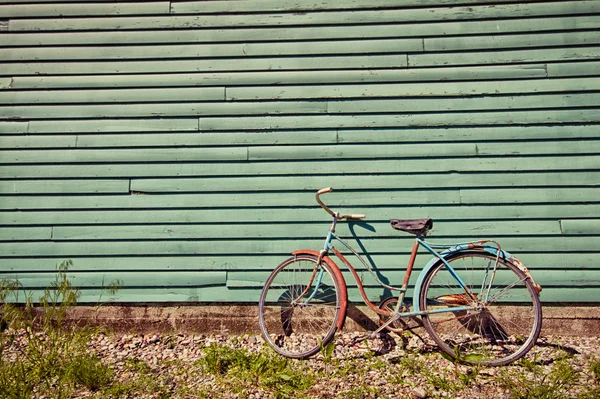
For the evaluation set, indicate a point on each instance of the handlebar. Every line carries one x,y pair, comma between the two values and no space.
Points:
329,211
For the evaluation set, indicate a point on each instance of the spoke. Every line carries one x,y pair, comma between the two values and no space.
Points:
505,289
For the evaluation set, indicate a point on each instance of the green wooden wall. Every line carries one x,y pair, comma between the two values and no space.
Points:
177,146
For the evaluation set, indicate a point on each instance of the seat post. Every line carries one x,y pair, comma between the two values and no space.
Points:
411,263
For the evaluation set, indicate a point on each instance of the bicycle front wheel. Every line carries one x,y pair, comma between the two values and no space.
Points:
299,307
497,324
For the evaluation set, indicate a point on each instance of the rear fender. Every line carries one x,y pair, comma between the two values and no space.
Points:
492,250
340,278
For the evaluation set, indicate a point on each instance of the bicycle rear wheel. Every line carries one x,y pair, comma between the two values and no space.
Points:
299,307
494,332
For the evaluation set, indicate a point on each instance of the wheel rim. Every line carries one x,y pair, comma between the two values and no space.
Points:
495,332
297,320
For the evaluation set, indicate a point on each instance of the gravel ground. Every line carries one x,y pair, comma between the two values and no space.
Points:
230,366
385,367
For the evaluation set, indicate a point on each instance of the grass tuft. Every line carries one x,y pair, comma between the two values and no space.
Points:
48,358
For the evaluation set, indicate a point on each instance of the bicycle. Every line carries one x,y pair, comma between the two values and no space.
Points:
477,302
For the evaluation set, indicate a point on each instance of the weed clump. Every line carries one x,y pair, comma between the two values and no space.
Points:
46,357
244,371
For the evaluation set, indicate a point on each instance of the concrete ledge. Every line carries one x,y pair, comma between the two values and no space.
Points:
580,320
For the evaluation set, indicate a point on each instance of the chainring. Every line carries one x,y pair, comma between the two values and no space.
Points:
400,325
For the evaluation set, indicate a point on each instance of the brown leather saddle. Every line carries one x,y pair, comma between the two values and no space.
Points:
419,227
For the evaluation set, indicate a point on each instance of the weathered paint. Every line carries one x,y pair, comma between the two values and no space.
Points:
192,139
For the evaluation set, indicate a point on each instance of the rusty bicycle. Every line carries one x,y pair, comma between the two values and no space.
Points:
478,303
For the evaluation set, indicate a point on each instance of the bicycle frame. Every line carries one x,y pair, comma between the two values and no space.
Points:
449,249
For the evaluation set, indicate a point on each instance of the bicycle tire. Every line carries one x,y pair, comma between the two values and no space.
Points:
496,333
299,330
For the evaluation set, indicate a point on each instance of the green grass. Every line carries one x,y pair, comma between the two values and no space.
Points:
243,371
51,358
595,369
536,382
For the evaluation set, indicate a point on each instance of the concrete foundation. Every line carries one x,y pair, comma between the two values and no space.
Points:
569,320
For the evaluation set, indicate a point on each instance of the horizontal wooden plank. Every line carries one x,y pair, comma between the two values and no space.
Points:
157,295
207,139
443,180
546,278
191,202
209,109
205,65
64,10
343,137
504,57
186,7
456,104
296,77
302,167
195,94
580,226
526,195
30,141
119,155
196,51
247,35
163,110
295,230
25,233
574,69
479,134
63,186
418,150
511,41
166,139
151,264
477,215
399,120
113,125
311,18
156,279
13,127
151,138
69,249
437,89
406,197
113,95
368,151
178,205
273,5
200,207
256,280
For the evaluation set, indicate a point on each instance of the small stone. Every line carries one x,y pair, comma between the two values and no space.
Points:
419,393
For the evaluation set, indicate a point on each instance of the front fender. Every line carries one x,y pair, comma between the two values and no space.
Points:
492,250
340,278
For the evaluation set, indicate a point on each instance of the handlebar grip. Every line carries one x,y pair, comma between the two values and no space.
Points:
324,190
355,216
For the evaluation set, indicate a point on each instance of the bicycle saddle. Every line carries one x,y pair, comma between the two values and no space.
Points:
419,227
